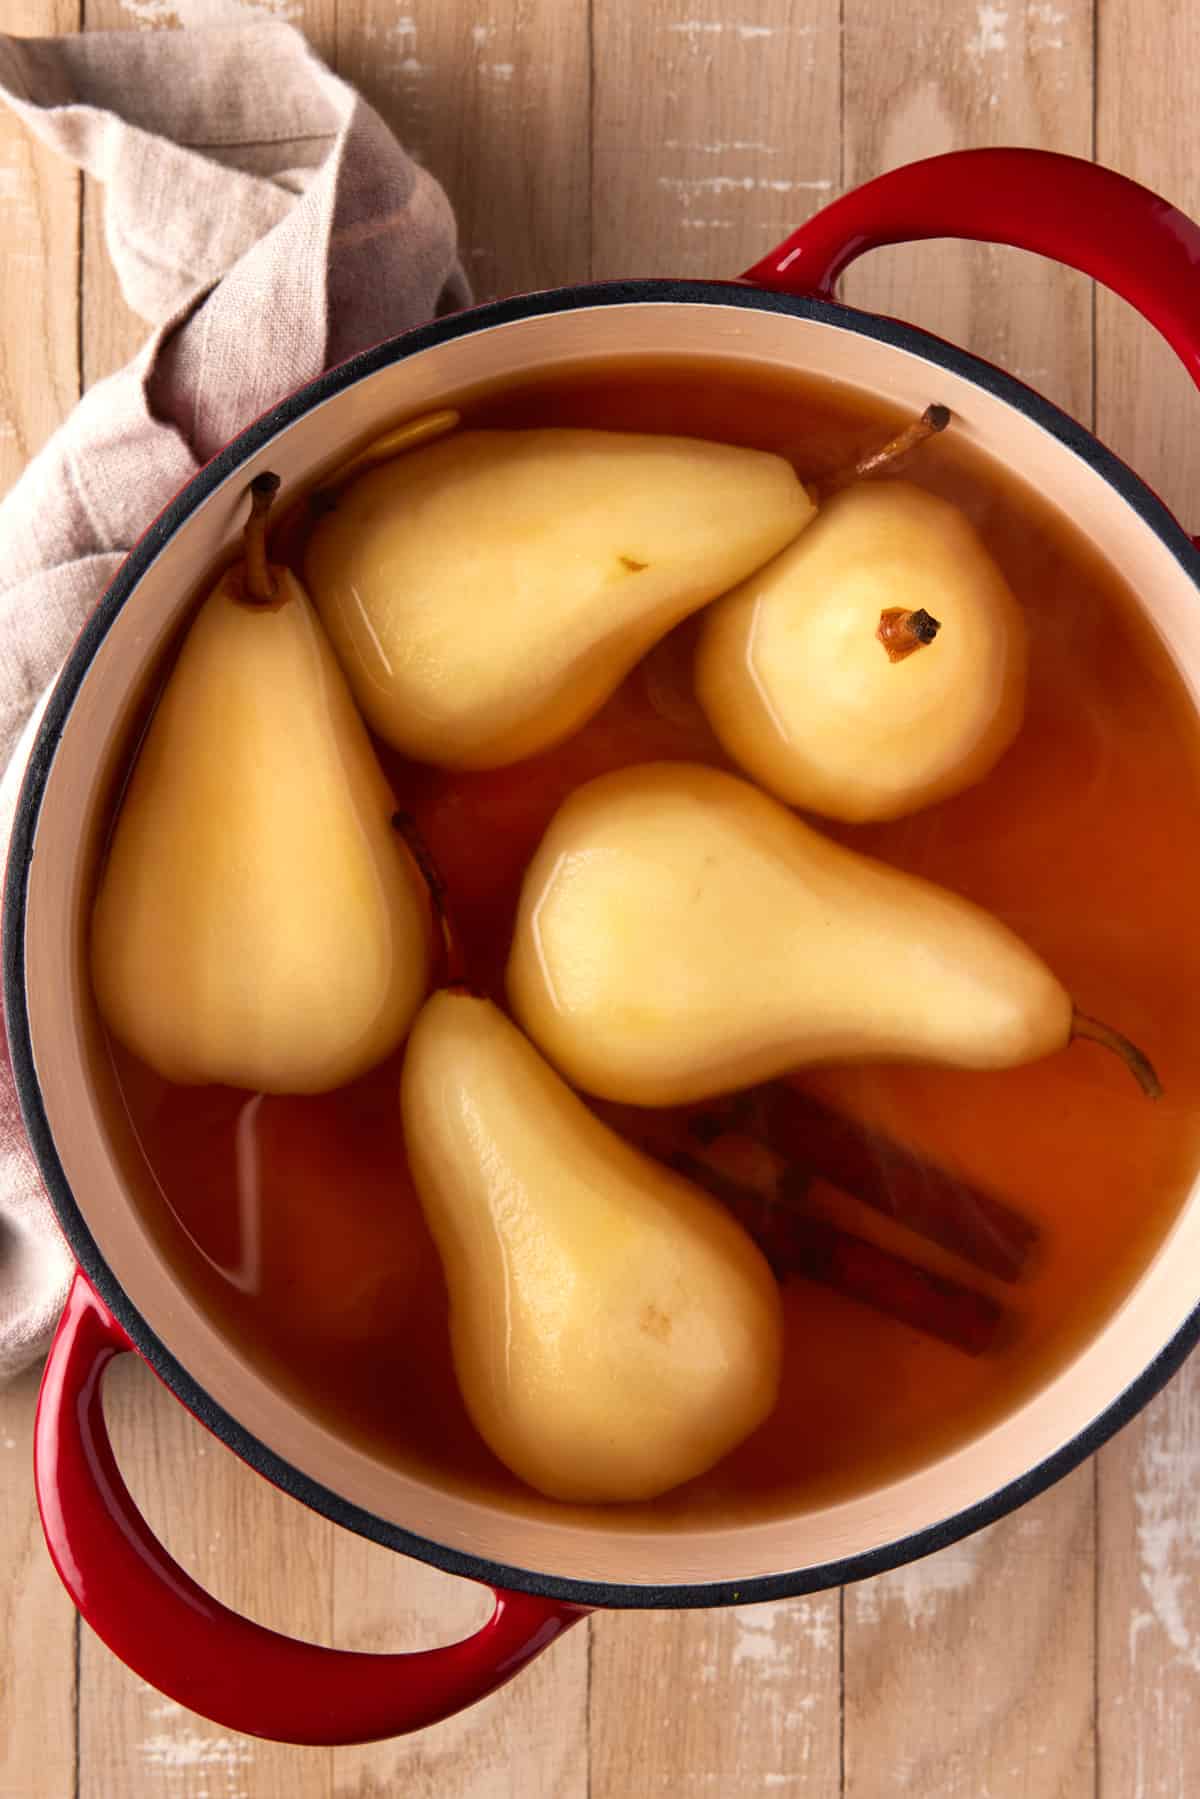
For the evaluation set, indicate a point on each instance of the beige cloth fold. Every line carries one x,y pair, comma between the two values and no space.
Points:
268,225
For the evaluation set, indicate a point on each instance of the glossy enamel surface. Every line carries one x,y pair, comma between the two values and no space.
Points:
69,1097
153,1615
81,1106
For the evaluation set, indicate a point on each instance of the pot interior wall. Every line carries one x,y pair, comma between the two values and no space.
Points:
102,1162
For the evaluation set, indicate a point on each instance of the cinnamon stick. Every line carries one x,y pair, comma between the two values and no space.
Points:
883,1174
797,1244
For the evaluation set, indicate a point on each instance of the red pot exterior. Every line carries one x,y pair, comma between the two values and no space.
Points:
1090,218
152,1614
145,1607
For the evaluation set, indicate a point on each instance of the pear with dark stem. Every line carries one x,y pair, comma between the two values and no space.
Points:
681,934
877,665
258,922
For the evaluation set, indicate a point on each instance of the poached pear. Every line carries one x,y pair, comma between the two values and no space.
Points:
487,593
258,922
876,666
614,1331
681,934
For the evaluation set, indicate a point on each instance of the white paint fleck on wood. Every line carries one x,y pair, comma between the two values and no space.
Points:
200,15
740,184
1168,1527
918,1588
722,145
990,37
766,1635
695,29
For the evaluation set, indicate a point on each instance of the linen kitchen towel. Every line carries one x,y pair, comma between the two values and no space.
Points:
267,224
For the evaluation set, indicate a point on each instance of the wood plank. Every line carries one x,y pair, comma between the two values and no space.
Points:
37,1625
493,98
315,18
980,1657
39,383
112,334
39,288
1148,1604
971,1672
1148,1646
259,1551
490,98
529,1741
716,131
741,1700
967,76
1147,80
989,1644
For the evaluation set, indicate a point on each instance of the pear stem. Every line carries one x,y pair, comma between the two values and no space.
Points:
890,456
454,961
1137,1062
901,631
260,583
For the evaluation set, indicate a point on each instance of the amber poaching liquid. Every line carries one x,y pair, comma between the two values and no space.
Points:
294,1221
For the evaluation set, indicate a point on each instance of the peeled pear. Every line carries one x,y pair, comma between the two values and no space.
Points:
258,922
614,1330
486,593
681,934
874,667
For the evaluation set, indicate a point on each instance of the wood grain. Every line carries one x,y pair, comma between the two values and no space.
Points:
260,1552
529,1741
744,1700
493,97
110,332
132,1740
39,383
716,131
1148,1613
1148,82
956,75
39,286
994,1689
637,136
971,1672
1148,1543
38,1628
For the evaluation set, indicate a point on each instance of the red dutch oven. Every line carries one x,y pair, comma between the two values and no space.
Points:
547,1564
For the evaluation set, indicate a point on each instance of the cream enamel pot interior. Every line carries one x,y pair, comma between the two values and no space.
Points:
127,1292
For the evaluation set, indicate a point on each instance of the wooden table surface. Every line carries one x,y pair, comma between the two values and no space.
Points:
1057,1653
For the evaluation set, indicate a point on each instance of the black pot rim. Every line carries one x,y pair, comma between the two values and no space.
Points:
939,354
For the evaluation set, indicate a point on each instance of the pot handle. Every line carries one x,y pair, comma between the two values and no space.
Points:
166,1628
1061,206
